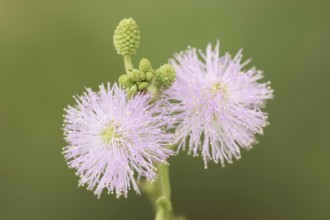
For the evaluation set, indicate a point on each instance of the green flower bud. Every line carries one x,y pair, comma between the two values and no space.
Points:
165,76
149,76
136,75
127,37
132,91
154,92
125,82
143,86
142,76
145,65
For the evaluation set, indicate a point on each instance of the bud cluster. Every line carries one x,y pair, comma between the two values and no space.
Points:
122,133
146,79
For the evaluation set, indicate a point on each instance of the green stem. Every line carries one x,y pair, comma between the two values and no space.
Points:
164,179
160,214
159,194
163,202
128,63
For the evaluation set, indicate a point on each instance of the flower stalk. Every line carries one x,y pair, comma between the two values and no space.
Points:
159,194
163,202
128,63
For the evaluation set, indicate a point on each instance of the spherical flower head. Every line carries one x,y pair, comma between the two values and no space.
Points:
113,140
127,37
220,103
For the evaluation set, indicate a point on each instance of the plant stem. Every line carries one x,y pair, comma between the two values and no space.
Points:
160,214
159,194
128,63
164,179
163,202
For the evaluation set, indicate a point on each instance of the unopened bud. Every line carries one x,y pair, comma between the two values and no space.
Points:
136,75
127,37
132,91
143,86
125,82
154,92
150,76
165,76
145,65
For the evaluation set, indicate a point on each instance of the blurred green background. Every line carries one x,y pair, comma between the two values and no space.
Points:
51,49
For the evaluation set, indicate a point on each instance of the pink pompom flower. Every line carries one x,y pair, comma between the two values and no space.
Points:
113,140
217,104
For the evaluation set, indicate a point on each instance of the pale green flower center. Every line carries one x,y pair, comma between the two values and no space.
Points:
110,133
219,88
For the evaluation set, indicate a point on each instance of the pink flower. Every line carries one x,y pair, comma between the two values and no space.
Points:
218,104
113,140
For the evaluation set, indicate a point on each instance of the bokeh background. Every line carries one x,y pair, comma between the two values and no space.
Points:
52,49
